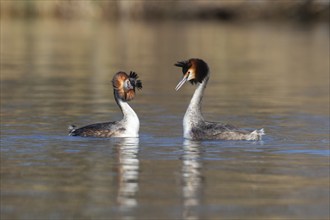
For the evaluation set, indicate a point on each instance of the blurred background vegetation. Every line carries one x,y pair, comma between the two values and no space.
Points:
226,10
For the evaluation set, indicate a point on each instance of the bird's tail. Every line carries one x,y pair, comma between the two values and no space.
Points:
256,135
71,129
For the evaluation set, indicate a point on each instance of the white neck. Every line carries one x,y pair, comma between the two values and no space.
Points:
193,114
130,119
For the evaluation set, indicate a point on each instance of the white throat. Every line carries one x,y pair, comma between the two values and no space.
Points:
193,114
130,120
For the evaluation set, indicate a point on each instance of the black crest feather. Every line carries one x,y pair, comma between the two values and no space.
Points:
185,65
134,80
133,75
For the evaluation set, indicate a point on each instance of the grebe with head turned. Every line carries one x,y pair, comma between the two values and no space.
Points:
124,90
194,126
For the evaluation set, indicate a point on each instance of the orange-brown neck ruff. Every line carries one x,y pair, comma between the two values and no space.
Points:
124,92
198,68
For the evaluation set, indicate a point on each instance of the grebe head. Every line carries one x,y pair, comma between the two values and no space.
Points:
124,85
194,70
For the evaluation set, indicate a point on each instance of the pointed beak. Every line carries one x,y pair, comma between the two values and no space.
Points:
129,84
184,79
132,84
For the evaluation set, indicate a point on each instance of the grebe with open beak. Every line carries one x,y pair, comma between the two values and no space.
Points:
124,90
194,126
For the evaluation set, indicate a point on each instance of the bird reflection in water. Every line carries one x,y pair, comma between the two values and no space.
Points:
128,172
192,179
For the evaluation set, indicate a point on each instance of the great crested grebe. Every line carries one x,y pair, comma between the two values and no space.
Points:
194,126
124,90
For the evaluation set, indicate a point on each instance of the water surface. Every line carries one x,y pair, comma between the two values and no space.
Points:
271,76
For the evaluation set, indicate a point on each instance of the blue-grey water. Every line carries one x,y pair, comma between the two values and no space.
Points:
263,75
